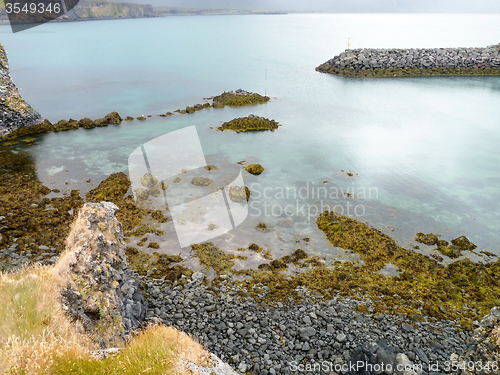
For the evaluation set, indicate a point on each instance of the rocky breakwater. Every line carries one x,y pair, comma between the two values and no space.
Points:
415,62
15,113
100,291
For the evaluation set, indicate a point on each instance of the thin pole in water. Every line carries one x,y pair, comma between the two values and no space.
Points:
266,84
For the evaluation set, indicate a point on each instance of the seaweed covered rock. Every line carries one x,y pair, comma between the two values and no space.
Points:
99,291
211,256
111,189
453,251
249,124
113,118
427,239
30,223
86,123
238,98
15,113
463,243
461,290
255,169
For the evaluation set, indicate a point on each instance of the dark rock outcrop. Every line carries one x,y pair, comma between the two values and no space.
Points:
100,291
15,113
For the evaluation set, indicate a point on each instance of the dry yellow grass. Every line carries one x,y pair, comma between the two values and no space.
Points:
36,336
32,321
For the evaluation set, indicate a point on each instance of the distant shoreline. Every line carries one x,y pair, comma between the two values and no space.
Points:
164,12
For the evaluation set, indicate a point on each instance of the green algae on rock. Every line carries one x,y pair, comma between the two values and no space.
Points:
255,169
238,98
249,124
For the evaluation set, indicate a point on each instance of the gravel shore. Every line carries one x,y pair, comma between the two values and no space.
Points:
285,338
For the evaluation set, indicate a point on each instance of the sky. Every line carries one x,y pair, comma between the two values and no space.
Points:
460,6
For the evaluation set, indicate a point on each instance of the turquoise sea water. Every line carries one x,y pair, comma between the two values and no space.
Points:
425,148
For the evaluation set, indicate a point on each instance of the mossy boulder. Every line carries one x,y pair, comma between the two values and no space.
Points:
111,189
86,123
113,118
427,239
100,122
255,169
63,125
129,118
141,118
463,243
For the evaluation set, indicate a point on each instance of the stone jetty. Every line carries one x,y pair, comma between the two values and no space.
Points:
367,62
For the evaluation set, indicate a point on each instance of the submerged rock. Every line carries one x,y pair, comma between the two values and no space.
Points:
148,180
15,113
239,194
201,181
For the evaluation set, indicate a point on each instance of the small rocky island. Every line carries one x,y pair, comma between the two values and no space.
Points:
250,123
367,62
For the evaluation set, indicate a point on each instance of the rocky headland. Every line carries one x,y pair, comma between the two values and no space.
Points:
15,113
99,9
366,62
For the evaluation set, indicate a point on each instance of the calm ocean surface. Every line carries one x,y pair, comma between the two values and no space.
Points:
425,148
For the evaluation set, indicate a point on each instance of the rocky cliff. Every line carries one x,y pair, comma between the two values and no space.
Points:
15,113
414,62
91,9
99,9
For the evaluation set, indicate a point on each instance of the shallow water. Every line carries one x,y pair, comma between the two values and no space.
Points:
423,150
